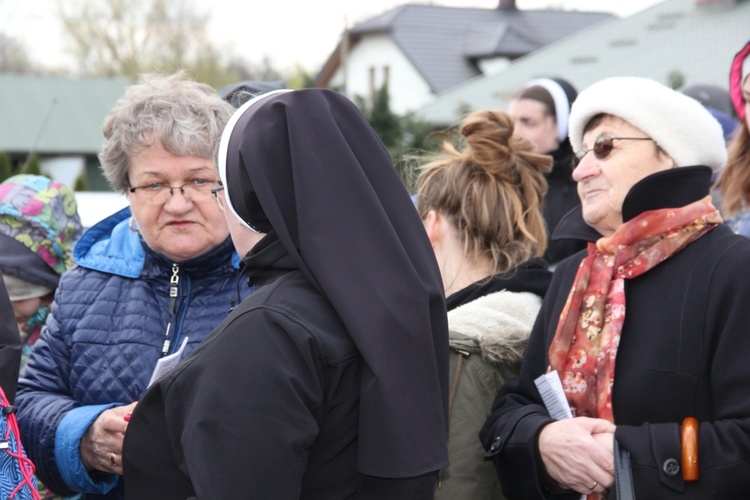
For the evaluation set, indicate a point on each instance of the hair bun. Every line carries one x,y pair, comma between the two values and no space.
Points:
491,142
491,190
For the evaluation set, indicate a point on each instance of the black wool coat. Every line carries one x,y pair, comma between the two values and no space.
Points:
684,351
266,407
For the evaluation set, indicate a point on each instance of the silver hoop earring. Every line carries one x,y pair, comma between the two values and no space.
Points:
130,225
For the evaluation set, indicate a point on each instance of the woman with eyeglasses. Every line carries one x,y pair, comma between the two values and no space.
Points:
330,380
646,331
149,278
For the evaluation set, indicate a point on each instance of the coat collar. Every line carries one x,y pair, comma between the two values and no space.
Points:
672,188
110,246
531,276
497,325
562,159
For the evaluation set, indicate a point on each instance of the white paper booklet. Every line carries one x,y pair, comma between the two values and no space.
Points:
553,395
167,363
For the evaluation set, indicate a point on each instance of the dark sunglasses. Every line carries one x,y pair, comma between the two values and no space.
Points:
603,147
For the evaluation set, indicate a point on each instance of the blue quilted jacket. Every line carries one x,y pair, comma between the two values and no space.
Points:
103,338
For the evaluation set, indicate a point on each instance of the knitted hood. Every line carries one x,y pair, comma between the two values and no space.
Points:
39,215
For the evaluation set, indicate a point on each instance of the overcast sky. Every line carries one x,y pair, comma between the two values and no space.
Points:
287,31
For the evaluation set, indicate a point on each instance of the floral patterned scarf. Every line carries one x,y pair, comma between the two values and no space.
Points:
585,345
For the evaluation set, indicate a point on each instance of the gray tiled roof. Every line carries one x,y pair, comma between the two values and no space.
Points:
444,42
63,115
671,36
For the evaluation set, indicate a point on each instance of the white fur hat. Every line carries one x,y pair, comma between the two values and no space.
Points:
680,125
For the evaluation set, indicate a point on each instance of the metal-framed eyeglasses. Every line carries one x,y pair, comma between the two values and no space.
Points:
215,191
158,192
603,146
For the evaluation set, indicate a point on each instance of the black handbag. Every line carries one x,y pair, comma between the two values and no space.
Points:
623,474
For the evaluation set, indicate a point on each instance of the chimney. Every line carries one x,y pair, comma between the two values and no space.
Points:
507,5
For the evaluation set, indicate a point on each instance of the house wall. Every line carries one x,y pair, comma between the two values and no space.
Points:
677,37
372,61
494,65
65,169
94,206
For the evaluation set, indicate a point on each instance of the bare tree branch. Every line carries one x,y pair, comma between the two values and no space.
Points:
129,37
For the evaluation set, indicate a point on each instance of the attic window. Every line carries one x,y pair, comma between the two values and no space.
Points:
623,42
584,60
666,21
661,26
670,16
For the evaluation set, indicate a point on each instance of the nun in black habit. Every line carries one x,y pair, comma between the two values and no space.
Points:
330,380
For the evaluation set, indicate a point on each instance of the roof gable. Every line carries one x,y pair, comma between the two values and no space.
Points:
444,42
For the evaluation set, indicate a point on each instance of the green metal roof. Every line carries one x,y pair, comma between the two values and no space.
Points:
53,115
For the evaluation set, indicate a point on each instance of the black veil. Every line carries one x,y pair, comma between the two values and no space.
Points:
307,166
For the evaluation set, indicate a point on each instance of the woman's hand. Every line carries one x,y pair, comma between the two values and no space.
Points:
578,453
101,446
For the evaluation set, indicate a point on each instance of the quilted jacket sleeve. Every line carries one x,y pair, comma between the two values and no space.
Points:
45,400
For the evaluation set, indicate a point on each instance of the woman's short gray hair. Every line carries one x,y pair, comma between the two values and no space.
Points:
185,116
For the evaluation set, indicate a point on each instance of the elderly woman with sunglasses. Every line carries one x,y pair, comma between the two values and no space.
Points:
647,329
151,278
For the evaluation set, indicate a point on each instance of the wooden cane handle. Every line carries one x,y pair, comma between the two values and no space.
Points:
690,449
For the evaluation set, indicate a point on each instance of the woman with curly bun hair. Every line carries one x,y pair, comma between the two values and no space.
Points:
482,207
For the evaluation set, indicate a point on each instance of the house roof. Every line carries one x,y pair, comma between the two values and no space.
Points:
51,115
443,43
674,36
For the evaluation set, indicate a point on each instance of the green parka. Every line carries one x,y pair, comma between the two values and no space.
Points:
487,339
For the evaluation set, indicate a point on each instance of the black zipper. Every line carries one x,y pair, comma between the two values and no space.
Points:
174,291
